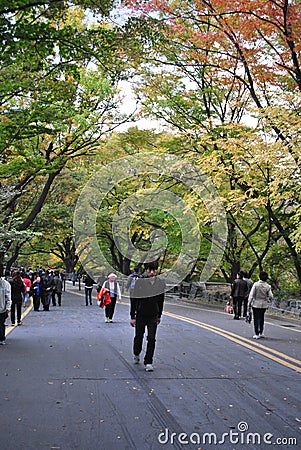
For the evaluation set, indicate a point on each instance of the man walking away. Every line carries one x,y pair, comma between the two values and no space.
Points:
57,289
238,293
250,284
89,283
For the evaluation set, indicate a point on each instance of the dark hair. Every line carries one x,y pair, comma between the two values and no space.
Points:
16,275
263,276
136,268
152,265
240,274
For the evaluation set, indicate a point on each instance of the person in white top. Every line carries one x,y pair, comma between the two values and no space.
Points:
259,298
5,304
113,286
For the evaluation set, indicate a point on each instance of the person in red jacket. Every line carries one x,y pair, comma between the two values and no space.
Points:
27,281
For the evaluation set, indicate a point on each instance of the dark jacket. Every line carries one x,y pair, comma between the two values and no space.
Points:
148,298
17,290
57,285
239,288
89,282
47,284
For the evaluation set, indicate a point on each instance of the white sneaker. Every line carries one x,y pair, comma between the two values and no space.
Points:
256,336
107,320
149,367
136,359
261,335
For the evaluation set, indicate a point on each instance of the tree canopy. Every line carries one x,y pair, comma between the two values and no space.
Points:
224,78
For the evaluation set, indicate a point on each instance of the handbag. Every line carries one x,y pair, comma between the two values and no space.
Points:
229,308
248,317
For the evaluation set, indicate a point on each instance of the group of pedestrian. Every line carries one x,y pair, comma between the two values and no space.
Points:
147,294
246,297
239,294
18,286
46,289
44,286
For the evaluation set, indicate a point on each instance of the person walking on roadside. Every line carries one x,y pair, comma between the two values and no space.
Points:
73,277
260,295
250,284
57,288
5,304
131,281
146,311
89,283
238,292
27,281
114,289
36,289
17,292
47,287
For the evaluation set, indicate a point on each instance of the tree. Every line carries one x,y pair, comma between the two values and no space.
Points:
211,64
58,95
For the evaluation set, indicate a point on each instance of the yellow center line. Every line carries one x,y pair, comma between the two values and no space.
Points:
255,346
24,314
224,313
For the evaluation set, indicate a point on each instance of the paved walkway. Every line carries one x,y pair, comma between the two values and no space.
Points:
68,382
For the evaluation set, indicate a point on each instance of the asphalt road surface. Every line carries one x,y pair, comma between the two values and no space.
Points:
68,382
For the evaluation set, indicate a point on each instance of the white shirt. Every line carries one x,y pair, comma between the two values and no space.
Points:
111,287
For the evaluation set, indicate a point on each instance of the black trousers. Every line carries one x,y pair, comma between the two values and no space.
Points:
110,308
46,300
237,305
36,302
13,312
53,298
151,325
59,298
88,295
2,326
258,317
